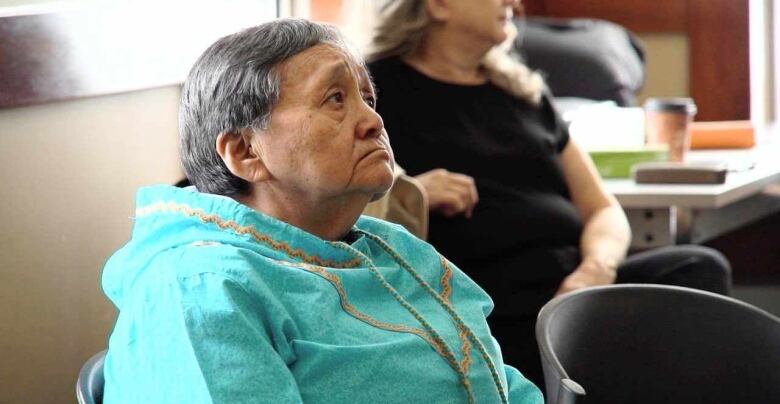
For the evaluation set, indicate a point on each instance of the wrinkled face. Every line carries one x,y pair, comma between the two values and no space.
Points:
484,19
324,139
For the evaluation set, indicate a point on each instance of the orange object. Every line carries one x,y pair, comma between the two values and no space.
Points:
326,10
722,135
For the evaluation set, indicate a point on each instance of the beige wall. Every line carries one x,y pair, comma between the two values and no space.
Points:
69,172
667,66
765,61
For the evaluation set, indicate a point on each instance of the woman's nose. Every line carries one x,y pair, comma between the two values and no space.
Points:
370,124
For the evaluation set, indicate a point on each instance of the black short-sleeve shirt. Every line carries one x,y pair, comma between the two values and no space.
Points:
524,234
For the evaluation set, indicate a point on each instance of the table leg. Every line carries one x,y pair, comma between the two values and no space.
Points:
651,228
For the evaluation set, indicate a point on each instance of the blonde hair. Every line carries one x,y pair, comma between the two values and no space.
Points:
403,25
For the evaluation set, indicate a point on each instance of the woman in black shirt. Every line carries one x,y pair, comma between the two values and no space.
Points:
515,202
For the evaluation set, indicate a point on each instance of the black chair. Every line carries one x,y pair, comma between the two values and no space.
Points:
89,387
657,344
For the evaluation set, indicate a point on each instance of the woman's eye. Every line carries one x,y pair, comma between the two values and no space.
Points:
370,100
337,98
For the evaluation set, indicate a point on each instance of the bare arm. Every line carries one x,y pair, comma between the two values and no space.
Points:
606,234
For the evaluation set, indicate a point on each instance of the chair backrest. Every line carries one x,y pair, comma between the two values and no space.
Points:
609,56
657,344
406,204
89,387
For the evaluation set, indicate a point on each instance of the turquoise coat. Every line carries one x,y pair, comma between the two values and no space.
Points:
219,303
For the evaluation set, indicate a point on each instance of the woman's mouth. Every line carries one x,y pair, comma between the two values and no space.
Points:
379,153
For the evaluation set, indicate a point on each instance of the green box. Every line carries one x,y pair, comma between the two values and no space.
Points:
618,163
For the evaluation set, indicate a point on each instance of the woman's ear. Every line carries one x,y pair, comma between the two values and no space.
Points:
241,156
438,10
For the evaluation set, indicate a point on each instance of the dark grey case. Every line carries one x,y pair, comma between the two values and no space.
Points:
679,173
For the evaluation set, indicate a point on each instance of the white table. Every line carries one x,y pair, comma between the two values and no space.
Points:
666,214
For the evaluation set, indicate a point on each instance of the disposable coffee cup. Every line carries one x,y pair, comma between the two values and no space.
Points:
668,123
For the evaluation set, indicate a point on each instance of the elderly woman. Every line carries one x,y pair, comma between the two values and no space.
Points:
265,285
515,202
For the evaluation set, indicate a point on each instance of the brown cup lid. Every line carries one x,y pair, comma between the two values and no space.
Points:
680,105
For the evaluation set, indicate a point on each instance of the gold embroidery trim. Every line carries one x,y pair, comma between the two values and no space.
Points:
354,312
172,207
465,349
446,288
446,292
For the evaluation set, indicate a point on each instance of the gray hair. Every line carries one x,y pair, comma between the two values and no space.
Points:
234,85
403,25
